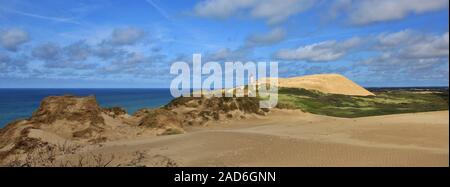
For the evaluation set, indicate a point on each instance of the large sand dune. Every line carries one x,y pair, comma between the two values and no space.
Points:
326,83
293,138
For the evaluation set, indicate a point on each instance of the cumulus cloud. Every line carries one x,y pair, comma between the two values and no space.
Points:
137,64
4,58
226,54
117,54
323,51
126,36
411,54
429,47
4,62
275,11
412,44
134,58
11,39
251,42
72,56
404,44
112,46
106,51
272,11
370,11
47,51
391,66
274,36
79,55
9,64
221,8
78,51
386,40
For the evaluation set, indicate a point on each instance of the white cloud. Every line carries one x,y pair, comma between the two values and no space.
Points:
126,36
272,11
369,11
253,41
47,52
322,51
430,47
275,11
393,66
11,39
274,36
411,44
135,58
412,54
73,56
9,64
221,8
393,39
105,51
78,51
221,54
226,54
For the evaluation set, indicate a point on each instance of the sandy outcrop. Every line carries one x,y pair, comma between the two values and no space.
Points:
66,117
326,83
80,121
115,112
61,119
198,111
71,108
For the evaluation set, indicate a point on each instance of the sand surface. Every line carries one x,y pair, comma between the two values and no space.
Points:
326,83
294,138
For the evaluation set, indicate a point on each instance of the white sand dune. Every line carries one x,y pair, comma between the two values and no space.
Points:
326,83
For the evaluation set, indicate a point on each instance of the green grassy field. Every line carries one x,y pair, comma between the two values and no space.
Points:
385,102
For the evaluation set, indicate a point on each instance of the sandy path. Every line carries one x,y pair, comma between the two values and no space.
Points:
293,138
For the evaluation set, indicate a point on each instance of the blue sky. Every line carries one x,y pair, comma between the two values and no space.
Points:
118,43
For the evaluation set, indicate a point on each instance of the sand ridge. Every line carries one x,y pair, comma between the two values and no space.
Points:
326,83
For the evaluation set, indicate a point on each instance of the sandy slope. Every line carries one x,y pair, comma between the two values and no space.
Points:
326,83
293,138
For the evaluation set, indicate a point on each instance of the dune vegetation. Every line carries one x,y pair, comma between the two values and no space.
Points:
384,102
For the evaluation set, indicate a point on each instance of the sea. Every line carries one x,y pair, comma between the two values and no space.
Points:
21,103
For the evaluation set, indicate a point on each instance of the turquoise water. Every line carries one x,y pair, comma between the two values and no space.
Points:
21,103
